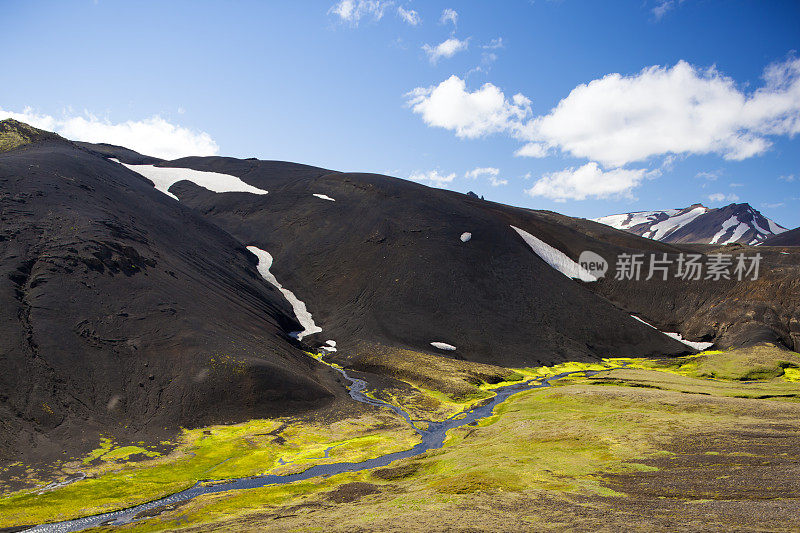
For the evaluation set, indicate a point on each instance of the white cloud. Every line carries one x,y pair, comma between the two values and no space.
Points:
617,120
475,173
352,11
469,114
490,172
433,177
409,16
721,197
532,150
494,44
446,49
151,136
662,7
736,184
587,181
788,179
449,15
773,206
711,175
487,59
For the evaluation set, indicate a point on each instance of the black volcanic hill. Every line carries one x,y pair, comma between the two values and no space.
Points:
379,262
735,223
124,312
382,264
788,238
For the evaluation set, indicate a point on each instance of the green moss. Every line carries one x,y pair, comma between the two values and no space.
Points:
792,375
557,440
560,440
212,453
757,363
14,134
125,452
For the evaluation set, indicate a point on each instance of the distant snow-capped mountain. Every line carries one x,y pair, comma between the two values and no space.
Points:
698,224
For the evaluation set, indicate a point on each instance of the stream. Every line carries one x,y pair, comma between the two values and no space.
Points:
432,436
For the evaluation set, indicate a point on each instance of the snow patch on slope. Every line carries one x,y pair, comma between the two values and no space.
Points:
673,223
677,336
466,236
443,346
330,346
629,220
165,177
324,197
775,228
555,258
300,311
659,225
724,229
740,230
675,219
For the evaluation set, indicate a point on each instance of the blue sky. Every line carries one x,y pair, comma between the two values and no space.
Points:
625,105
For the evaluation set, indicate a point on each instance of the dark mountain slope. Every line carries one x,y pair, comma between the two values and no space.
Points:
383,264
730,312
123,312
789,238
118,152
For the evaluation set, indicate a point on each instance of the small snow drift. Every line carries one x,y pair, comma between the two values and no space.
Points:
443,346
330,346
324,197
555,258
165,177
677,336
466,236
303,316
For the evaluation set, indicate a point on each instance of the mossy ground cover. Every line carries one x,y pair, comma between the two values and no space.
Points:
14,134
554,444
212,453
543,451
756,363
436,388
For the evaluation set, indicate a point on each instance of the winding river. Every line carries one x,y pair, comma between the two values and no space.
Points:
432,436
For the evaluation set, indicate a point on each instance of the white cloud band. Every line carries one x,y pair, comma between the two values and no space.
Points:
152,136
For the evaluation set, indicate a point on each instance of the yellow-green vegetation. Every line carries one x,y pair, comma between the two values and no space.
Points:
439,387
460,381
543,443
107,451
775,389
14,134
513,468
211,453
757,363
123,453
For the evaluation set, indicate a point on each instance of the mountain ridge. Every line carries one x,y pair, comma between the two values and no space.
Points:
698,224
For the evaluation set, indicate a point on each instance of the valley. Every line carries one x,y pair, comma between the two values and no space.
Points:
696,435
234,344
